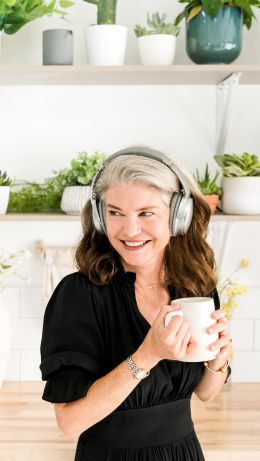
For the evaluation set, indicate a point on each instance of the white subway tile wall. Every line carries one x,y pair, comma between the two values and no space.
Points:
25,298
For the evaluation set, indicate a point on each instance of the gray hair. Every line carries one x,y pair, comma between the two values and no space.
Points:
130,169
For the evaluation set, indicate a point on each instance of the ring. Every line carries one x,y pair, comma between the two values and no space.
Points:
230,339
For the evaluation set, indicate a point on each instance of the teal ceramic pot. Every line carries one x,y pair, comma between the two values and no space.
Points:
215,39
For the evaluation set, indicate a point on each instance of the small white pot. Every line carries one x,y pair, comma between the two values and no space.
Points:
5,340
1,35
74,198
106,44
241,195
157,49
4,198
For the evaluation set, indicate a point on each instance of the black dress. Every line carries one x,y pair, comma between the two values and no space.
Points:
88,330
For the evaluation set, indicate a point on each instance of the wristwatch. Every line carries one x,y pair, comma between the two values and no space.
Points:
138,373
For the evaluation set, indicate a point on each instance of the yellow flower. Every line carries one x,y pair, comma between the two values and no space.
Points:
244,263
230,289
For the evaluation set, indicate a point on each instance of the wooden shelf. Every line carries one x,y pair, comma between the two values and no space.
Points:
127,75
64,217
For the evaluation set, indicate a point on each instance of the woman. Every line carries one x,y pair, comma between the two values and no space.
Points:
113,370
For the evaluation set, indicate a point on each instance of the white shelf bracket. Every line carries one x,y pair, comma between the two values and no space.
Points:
225,94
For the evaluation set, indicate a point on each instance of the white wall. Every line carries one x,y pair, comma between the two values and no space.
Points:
42,128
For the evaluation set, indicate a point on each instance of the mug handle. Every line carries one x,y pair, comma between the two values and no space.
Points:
169,316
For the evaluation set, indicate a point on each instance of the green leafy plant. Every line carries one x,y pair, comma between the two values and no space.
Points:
46,197
106,11
157,25
212,7
14,14
207,185
82,169
35,198
4,179
239,165
229,289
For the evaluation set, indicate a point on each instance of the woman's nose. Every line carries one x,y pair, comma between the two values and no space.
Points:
131,227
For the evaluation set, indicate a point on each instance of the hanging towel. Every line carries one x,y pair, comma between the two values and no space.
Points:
58,262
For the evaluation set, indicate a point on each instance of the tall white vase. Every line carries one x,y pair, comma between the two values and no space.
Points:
5,340
106,44
4,198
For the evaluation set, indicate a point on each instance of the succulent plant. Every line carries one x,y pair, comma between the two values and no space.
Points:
207,185
157,25
239,165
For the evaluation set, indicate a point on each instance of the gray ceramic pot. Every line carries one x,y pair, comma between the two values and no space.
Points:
57,47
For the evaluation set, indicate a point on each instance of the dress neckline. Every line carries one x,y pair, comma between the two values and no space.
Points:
128,279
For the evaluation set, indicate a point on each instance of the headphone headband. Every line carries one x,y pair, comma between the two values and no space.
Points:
145,152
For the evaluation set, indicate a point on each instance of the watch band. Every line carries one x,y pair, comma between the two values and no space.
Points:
138,373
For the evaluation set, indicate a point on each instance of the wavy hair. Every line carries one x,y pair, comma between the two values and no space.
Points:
189,260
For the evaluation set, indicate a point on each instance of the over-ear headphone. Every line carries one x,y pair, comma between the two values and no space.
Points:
181,204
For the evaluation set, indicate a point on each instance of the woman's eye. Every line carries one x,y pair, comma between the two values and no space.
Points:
146,213
114,213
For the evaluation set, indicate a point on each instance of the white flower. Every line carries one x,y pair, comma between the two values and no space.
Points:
10,263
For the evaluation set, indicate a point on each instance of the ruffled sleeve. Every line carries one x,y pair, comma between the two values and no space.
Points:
72,345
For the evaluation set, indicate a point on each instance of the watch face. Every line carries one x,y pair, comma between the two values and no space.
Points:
140,374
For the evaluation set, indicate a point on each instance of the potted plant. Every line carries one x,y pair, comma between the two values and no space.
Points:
214,28
5,183
240,183
157,44
106,41
14,14
9,264
209,188
78,179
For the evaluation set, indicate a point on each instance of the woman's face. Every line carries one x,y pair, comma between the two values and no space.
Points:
137,222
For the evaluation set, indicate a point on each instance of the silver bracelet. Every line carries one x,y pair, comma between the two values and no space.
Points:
138,373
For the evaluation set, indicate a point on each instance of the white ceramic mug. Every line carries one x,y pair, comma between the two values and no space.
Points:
197,313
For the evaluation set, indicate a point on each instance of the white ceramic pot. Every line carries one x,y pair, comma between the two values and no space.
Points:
106,44
157,49
5,340
241,195
74,198
1,35
4,198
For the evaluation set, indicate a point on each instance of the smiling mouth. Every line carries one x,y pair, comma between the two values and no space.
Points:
138,244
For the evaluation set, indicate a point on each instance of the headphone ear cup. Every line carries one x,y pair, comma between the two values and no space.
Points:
97,215
181,212
174,205
101,212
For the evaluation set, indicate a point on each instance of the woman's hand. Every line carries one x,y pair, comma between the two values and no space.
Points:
223,343
173,342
